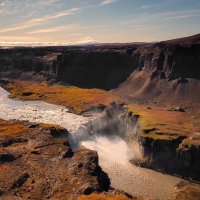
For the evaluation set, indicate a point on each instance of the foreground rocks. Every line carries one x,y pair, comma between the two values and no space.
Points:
39,164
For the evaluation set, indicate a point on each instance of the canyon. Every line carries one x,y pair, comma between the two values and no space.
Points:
157,90
78,134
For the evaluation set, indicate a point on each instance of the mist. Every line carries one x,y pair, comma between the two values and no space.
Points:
112,148
113,136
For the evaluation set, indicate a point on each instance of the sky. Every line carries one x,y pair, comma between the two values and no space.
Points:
54,22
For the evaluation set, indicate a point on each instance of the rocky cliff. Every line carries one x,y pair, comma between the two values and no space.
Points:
166,72
37,162
166,156
101,67
174,152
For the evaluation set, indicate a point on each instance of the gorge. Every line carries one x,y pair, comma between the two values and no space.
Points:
114,153
154,124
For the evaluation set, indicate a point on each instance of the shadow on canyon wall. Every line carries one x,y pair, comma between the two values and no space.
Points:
164,72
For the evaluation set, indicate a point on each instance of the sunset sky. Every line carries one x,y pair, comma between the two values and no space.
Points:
88,21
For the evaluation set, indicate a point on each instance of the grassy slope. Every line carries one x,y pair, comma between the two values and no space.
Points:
70,96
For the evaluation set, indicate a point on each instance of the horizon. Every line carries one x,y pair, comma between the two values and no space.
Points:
57,22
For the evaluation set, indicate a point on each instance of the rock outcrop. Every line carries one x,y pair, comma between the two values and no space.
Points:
43,166
165,155
167,73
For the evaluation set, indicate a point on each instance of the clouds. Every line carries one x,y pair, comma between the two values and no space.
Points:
161,16
179,14
12,7
47,3
47,18
13,39
182,14
66,28
5,3
36,41
5,7
105,2
40,20
37,20
77,21
87,40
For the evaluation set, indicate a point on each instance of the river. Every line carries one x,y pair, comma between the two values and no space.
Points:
114,153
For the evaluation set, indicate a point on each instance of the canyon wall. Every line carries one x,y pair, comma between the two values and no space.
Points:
167,152
105,70
167,156
146,72
166,73
91,68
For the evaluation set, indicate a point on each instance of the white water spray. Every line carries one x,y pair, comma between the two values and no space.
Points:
111,149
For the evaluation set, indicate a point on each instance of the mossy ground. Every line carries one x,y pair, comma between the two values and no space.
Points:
159,123
77,98
9,129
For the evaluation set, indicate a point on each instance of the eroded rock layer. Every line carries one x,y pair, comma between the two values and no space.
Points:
37,162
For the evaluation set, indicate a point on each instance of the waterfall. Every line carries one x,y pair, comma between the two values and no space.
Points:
114,138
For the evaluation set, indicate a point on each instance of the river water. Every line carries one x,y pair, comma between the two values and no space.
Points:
114,153
40,112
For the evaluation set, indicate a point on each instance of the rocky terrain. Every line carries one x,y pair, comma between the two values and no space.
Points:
37,163
167,73
160,86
